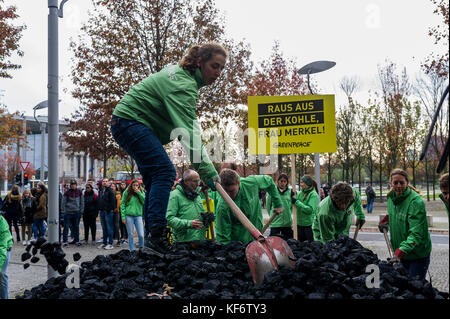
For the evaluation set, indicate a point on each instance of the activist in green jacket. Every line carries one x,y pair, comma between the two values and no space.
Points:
245,193
408,226
282,224
332,217
306,203
131,212
6,243
134,206
157,110
183,209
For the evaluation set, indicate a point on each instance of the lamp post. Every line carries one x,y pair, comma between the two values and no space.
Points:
53,124
311,68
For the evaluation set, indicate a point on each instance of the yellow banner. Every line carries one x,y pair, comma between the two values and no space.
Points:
291,124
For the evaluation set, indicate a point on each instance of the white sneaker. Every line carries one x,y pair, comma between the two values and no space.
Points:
24,243
101,246
28,242
109,247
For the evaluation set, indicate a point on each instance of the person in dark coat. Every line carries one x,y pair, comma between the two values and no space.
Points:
29,208
12,206
107,203
90,213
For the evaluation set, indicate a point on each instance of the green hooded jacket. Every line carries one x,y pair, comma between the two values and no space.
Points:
181,211
445,203
165,101
285,218
134,206
408,224
228,227
307,206
6,240
330,222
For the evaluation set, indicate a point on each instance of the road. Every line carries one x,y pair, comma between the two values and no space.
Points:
377,236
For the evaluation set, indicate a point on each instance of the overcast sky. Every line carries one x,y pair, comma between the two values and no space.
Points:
357,34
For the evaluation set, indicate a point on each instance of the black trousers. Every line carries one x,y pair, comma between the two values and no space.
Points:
90,223
305,233
283,232
11,222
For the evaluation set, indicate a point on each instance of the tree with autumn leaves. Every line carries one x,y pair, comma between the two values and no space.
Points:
124,42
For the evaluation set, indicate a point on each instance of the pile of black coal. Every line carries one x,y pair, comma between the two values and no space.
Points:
210,270
53,253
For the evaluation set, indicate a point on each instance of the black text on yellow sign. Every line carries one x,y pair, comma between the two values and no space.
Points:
291,124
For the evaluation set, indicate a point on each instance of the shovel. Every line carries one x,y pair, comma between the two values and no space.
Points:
268,223
388,243
356,232
263,254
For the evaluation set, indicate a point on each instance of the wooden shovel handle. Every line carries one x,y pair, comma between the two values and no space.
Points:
388,243
268,223
238,213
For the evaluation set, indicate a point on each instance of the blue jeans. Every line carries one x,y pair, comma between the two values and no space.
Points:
4,277
107,221
369,206
71,221
417,267
131,222
38,228
158,172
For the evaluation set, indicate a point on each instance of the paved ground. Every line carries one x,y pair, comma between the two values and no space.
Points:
21,279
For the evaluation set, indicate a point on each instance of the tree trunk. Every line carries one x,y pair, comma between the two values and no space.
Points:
426,179
381,181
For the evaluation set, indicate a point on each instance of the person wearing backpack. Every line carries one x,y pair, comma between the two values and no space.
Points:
370,193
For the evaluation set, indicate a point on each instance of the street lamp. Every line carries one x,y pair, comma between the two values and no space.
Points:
53,123
311,68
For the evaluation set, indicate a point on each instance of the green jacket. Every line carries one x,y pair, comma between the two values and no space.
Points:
306,207
6,240
165,101
181,211
445,203
330,222
228,227
357,208
285,218
133,207
408,224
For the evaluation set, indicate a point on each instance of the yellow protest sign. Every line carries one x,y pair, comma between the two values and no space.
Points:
291,124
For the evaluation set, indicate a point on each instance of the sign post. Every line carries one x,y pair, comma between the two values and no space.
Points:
292,125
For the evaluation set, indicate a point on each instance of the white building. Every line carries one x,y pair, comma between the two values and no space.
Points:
78,166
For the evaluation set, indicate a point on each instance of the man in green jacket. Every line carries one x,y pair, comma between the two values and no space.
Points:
245,193
157,110
408,226
333,217
185,209
6,243
443,184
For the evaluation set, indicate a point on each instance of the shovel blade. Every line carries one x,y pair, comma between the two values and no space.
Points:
265,256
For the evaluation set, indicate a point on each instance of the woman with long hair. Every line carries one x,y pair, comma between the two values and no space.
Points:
29,207
131,211
307,202
12,206
147,117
